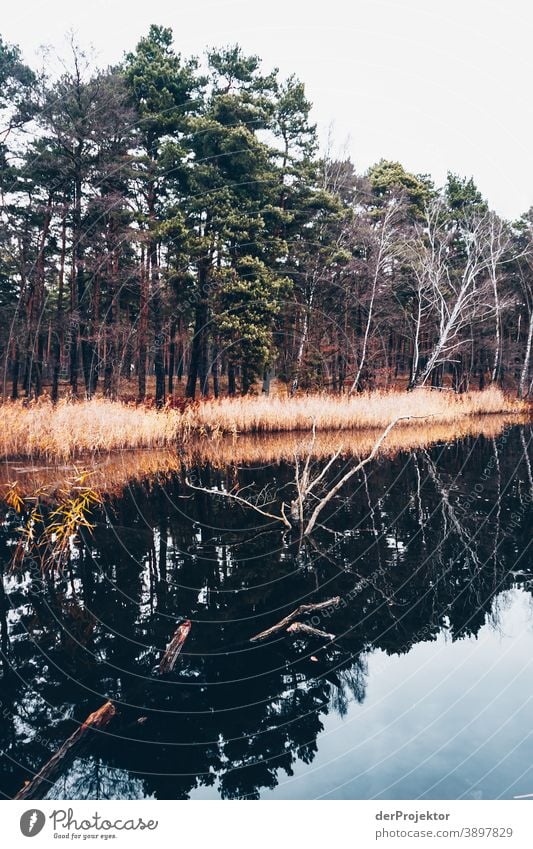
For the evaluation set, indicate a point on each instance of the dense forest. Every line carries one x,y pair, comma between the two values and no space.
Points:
170,228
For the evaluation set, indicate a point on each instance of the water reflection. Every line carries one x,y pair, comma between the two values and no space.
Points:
425,544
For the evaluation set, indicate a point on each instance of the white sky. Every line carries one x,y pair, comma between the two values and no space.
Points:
437,84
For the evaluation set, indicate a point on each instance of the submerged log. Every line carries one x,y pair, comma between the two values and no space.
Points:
172,651
40,783
95,721
300,611
302,628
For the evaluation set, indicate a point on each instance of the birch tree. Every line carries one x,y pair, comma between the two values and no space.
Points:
497,243
525,283
383,248
455,295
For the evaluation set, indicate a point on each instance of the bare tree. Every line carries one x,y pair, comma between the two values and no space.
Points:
312,279
415,252
382,251
456,296
525,278
305,484
524,386
497,241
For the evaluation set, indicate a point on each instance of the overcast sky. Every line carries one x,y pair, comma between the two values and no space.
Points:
437,84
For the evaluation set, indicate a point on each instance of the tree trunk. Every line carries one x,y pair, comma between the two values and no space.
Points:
232,388
301,348
15,374
198,360
524,374
157,312
143,330
214,371
57,344
172,357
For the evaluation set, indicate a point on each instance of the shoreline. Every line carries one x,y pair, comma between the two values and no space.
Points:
81,430
111,472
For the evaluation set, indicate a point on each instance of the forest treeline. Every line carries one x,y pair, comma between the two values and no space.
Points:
170,227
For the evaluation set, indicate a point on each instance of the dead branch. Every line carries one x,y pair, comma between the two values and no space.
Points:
281,518
302,609
302,628
95,721
338,486
305,484
172,651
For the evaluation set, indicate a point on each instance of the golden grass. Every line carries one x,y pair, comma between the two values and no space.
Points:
369,410
68,430
112,473
71,429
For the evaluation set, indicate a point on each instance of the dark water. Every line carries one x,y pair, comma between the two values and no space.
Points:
427,692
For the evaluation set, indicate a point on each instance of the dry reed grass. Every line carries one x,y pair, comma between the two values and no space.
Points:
368,410
72,429
68,430
112,473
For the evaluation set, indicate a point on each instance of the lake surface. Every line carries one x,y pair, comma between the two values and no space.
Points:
426,692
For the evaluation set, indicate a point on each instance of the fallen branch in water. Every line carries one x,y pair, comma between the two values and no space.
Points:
305,485
281,518
172,651
300,611
95,721
362,463
302,628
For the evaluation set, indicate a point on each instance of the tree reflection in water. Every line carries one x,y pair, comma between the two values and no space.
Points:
419,544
